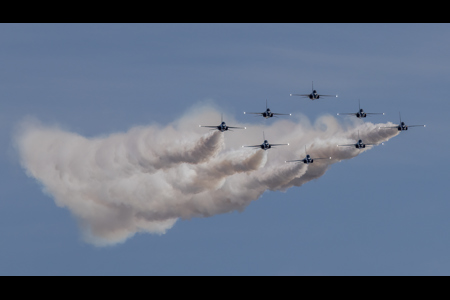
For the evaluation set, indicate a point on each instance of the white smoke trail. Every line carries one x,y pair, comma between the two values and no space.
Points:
145,179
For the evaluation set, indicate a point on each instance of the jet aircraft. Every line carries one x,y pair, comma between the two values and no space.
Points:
308,159
222,127
360,144
361,113
265,145
267,114
314,95
402,126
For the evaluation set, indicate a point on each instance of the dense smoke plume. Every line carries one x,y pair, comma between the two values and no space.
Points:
144,179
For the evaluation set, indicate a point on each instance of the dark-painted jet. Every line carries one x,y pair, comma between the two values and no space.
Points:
267,114
361,113
360,144
265,145
314,95
308,159
402,126
222,127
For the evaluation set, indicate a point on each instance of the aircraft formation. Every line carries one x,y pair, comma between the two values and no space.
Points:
267,114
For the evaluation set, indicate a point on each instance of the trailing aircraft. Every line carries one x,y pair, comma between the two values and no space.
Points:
359,144
402,126
267,114
361,113
314,95
222,127
308,159
265,145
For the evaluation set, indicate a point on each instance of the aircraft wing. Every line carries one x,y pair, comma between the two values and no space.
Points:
279,144
278,114
346,114
208,126
328,96
374,113
322,157
237,127
301,95
348,145
259,146
297,160
417,125
389,127
253,113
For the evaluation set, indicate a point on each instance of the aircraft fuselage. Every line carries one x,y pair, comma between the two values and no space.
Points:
267,114
360,145
361,114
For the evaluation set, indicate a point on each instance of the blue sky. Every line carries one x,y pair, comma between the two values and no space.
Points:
384,212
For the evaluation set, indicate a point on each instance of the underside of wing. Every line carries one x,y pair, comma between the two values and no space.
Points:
237,127
417,125
301,95
252,113
352,145
278,114
208,126
254,146
346,114
279,145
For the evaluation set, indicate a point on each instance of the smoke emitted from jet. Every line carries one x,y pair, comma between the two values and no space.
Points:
147,178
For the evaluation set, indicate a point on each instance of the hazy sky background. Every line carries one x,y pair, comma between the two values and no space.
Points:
385,212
